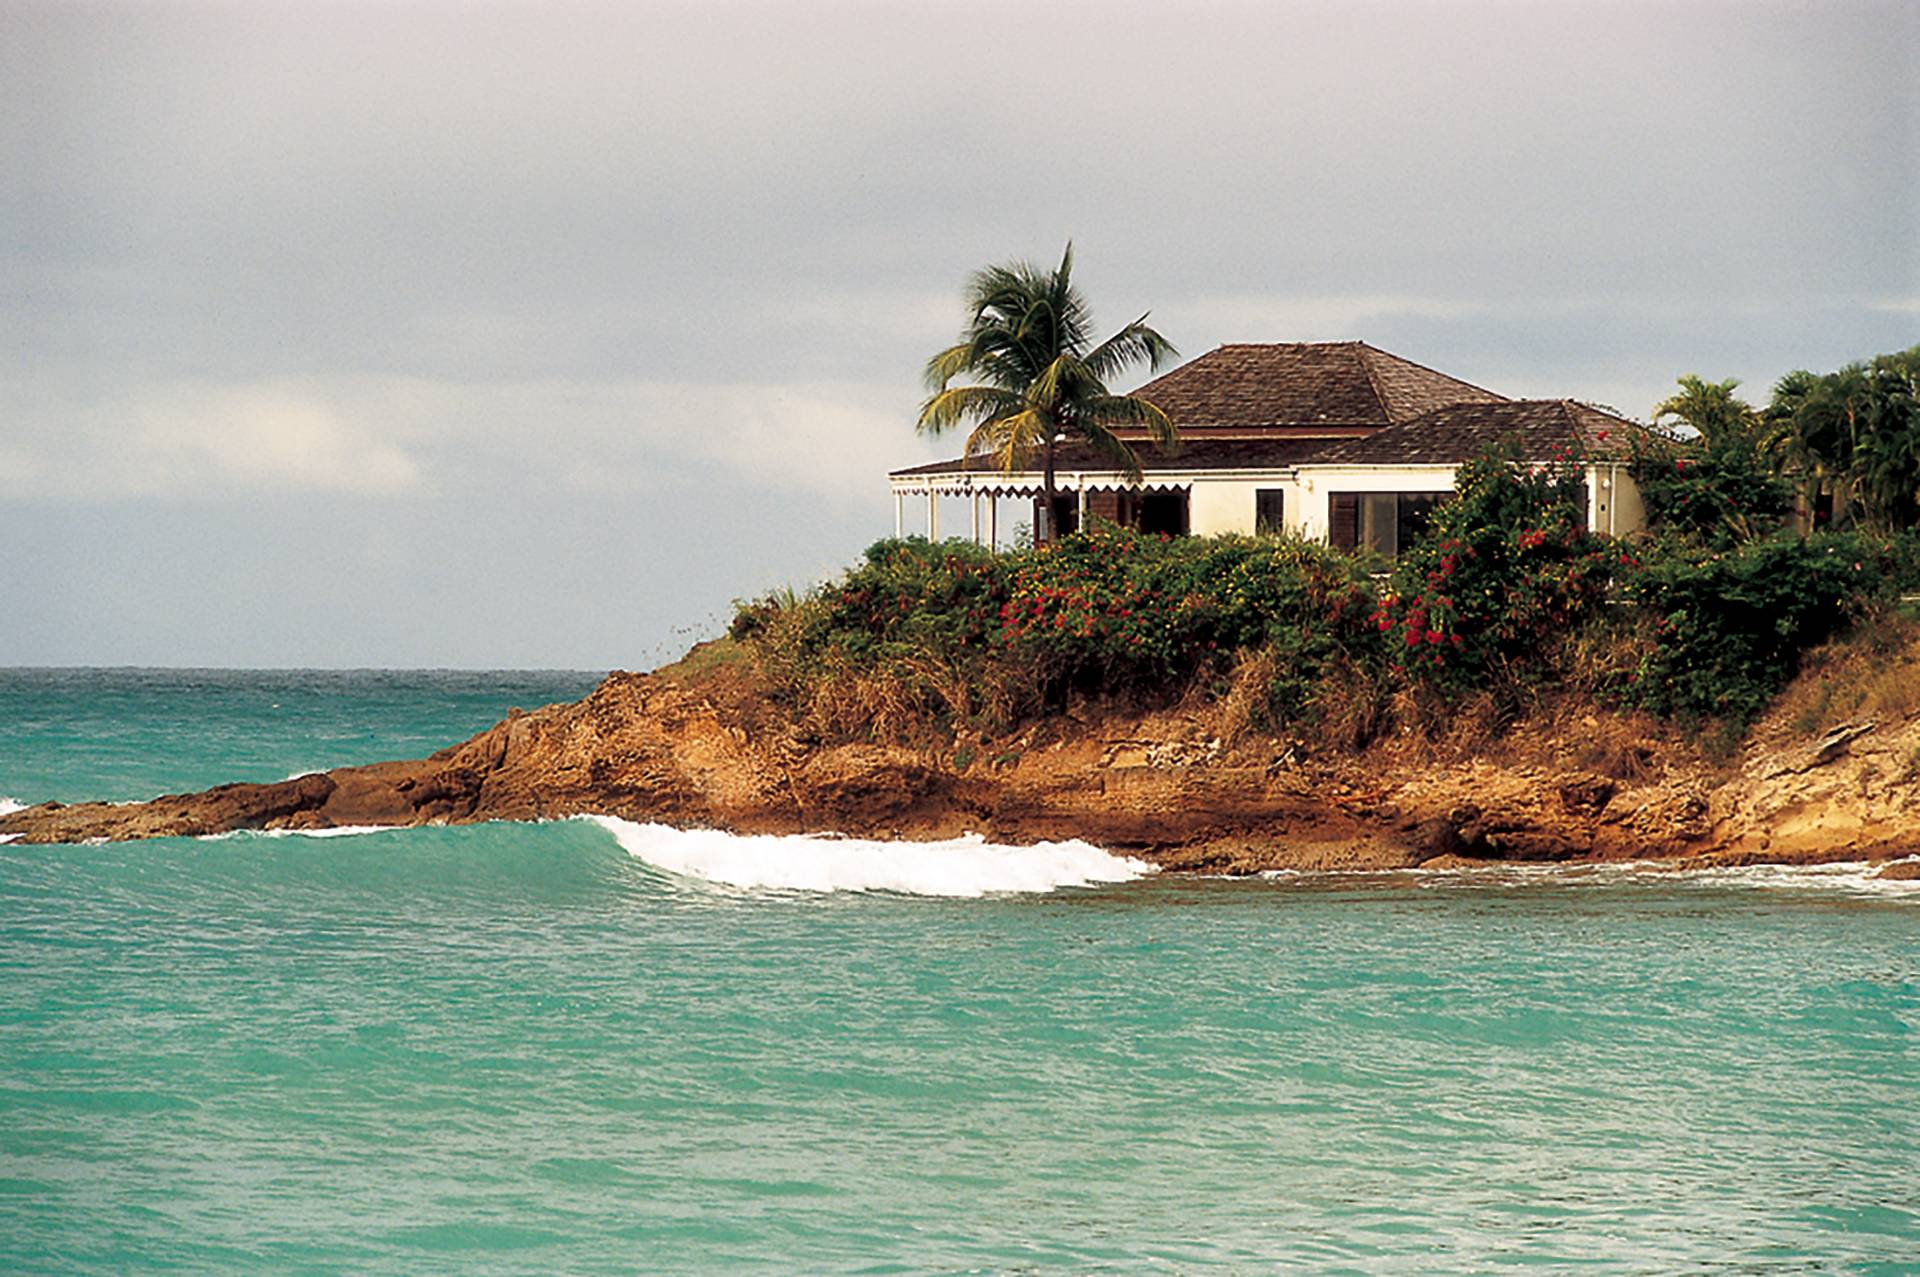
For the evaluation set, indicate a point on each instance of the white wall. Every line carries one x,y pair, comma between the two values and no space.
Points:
1315,485
1227,505
1615,506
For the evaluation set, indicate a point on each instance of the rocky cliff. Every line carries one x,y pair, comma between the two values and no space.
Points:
702,744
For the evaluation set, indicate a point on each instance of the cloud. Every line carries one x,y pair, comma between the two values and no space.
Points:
193,439
266,434
389,437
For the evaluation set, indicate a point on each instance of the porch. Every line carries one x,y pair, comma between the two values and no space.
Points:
1156,506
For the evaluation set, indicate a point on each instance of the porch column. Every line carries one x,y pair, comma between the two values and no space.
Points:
993,521
933,515
973,500
1081,522
899,514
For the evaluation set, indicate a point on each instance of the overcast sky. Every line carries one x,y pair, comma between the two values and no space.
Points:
482,335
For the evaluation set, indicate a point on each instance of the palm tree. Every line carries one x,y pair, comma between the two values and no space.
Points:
1819,417
1040,381
1887,456
1722,418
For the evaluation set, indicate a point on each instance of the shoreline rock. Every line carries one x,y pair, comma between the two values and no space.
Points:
709,748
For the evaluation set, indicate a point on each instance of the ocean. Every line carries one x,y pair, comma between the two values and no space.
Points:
589,1046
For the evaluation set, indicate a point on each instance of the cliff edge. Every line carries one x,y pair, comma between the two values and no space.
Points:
703,744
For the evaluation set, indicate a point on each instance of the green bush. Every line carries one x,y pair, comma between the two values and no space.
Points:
1729,626
1501,595
1113,609
1717,496
1104,610
1503,572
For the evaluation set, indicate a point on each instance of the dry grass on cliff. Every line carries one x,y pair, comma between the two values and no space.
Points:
1871,675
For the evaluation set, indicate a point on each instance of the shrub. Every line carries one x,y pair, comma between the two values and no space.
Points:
1729,626
1716,496
1106,610
1503,572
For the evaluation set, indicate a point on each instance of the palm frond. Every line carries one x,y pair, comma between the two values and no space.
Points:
1136,343
1132,410
950,363
961,405
1012,439
1110,446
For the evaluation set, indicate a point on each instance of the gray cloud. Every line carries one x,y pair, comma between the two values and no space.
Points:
423,267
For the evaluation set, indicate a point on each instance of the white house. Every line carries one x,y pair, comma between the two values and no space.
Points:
1332,440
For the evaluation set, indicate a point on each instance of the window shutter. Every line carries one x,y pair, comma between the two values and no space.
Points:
1343,519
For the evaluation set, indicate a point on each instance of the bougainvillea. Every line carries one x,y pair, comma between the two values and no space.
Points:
1504,569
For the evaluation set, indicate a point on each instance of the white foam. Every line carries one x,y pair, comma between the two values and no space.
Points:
966,866
10,805
330,831
1850,877
1853,877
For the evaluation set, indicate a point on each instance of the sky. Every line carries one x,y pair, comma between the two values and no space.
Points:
484,335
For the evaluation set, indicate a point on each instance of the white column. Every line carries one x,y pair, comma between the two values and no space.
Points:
973,501
1081,523
993,521
933,515
899,514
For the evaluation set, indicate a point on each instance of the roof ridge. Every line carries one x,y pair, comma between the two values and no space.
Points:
1373,381
1415,363
1271,345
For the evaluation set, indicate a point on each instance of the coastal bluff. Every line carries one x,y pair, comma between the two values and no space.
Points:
702,743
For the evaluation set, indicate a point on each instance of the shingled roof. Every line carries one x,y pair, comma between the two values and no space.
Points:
1317,384
1450,435
1192,454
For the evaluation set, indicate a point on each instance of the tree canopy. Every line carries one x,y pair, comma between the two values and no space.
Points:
1038,378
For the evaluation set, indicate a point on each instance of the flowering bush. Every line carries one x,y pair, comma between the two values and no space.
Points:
1717,496
1105,610
923,636
1504,570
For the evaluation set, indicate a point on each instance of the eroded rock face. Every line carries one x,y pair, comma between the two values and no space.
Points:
714,750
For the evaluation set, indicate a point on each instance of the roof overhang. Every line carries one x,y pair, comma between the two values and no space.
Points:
1023,483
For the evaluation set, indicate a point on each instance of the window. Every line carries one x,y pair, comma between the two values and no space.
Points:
1164,512
1381,521
1269,511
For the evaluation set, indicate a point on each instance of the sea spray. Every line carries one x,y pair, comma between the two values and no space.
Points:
965,866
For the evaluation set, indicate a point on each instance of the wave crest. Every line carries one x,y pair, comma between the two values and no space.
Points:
966,866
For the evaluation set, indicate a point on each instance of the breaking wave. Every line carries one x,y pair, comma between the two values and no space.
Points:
966,866
10,805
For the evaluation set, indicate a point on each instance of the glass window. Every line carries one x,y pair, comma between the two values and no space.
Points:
1380,522
1269,511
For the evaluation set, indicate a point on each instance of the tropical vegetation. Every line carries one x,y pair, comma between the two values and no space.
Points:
1502,604
1039,379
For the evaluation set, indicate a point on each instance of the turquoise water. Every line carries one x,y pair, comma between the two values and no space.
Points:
527,1049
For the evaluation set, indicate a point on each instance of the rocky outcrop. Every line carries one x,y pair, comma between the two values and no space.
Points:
703,745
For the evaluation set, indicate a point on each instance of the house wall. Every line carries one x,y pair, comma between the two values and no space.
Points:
1227,505
1317,482
1614,501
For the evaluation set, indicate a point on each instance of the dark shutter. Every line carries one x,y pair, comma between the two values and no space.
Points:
1343,519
